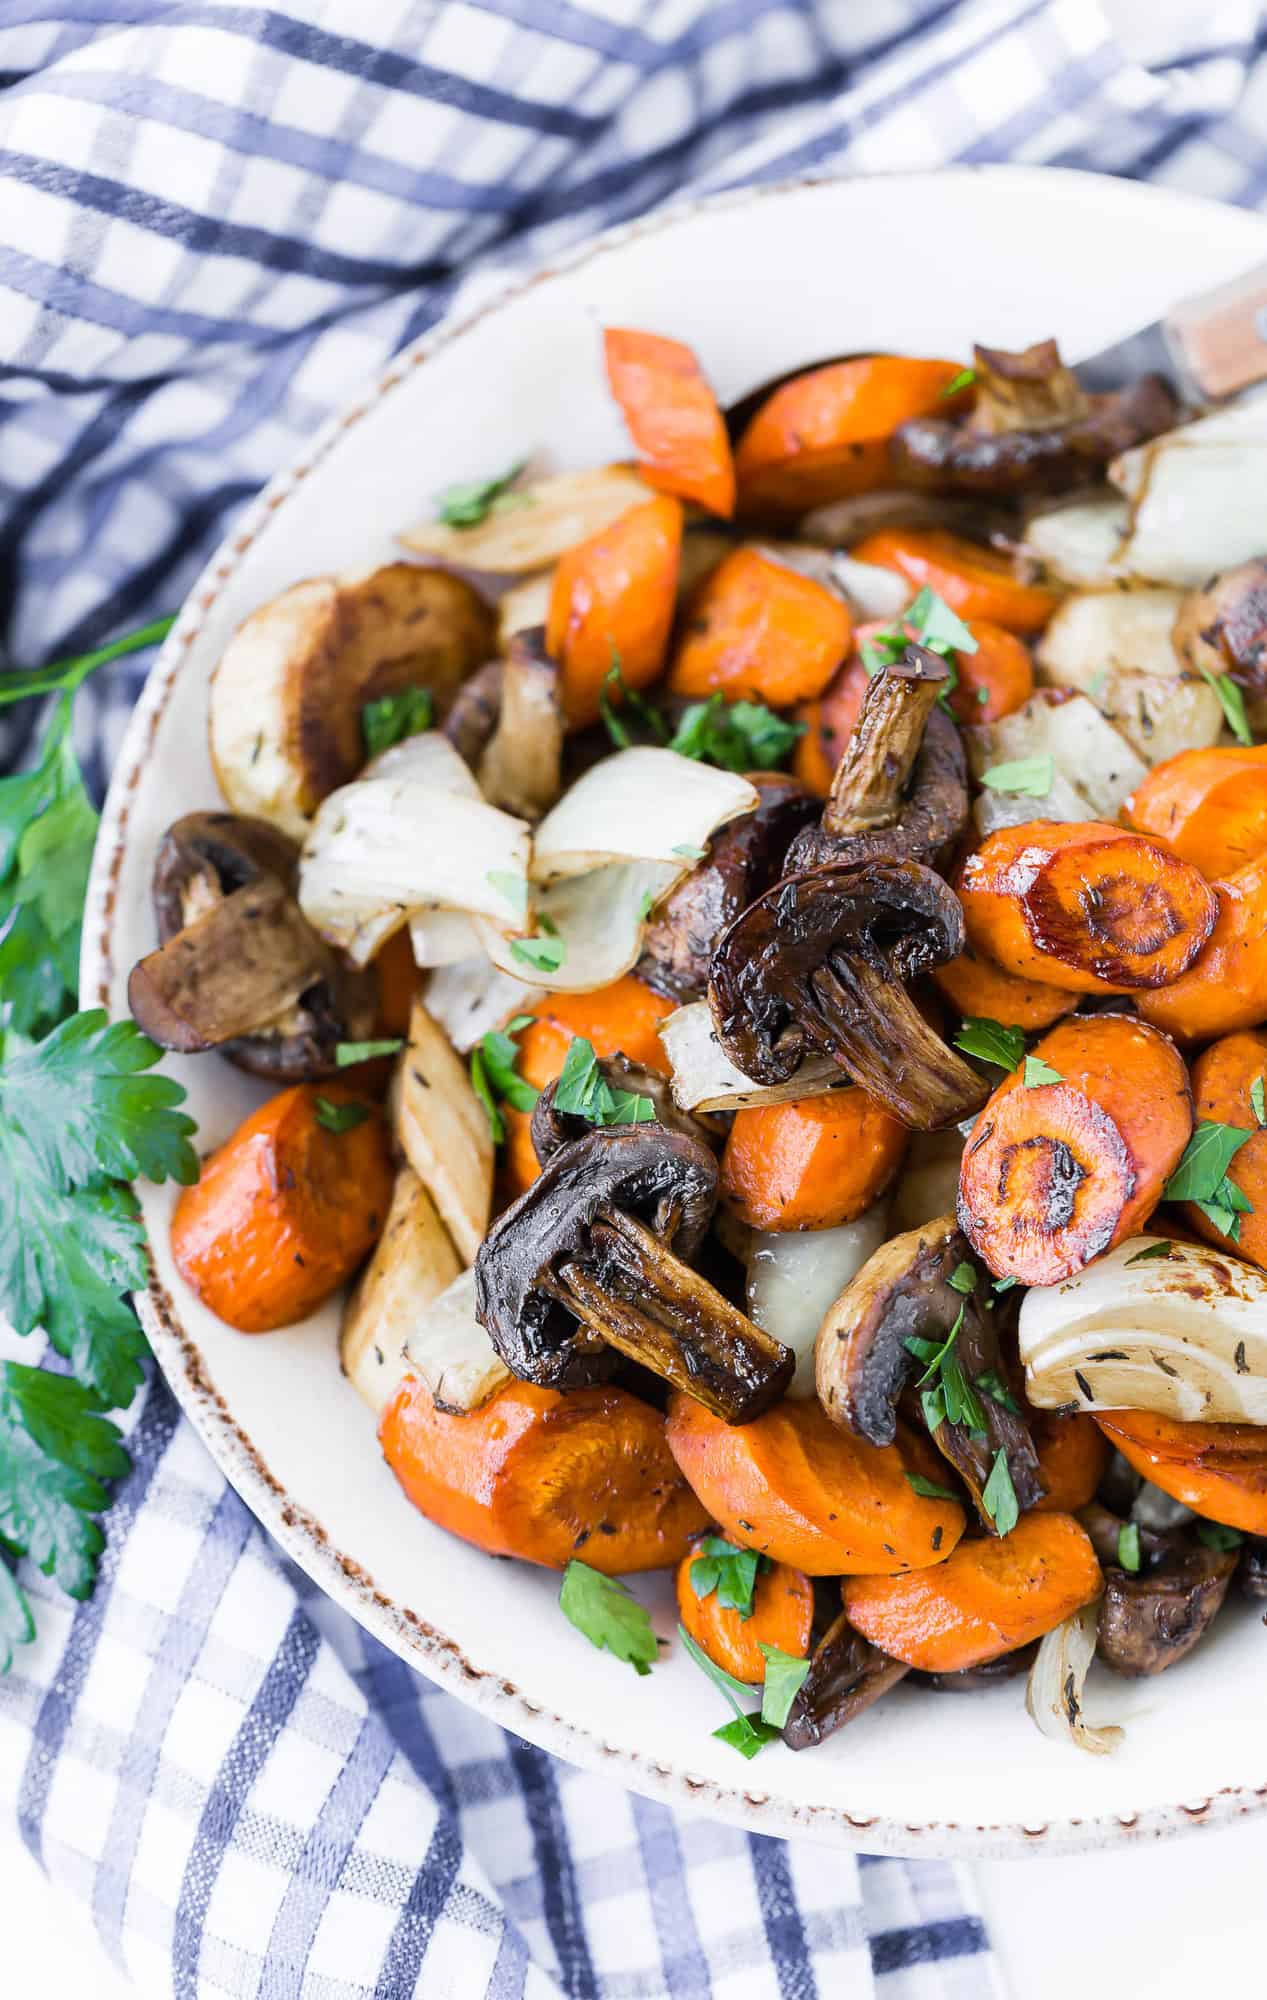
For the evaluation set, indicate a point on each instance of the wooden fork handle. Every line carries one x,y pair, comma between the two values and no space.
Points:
1219,338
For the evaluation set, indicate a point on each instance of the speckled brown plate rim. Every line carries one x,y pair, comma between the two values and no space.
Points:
299,1532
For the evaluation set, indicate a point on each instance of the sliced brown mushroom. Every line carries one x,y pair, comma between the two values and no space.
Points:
507,722
971,1680
846,1674
1252,1573
238,967
900,792
589,1264
1222,629
553,1129
1033,428
864,1359
820,964
1150,1619
742,860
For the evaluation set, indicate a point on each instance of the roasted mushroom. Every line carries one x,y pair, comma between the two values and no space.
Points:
552,1129
865,1358
971,1680
589,1264
742,860
1033,428
900,791
1252,1573
847,1673
239,968
1152,1618
1222,629
507,722
819,964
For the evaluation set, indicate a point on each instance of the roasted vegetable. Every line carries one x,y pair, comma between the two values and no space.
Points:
547,517
1209,806
812,1164
1225,988
1152,1617
976,582
1219,1470
847,1674
611,603
672,416
1057,758
780,1612
757,630
413,1265
794,1276
443,1132
1227,1090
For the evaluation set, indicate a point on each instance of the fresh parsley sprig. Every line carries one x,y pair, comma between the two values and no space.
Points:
927,621
393,718
991,1042
582,1091
66,675
494,1076
608,1614
730,1571
1202,1177
469,502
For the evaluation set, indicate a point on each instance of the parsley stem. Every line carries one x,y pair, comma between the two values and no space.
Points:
68,674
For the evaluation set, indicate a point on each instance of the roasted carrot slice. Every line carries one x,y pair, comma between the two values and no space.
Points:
782,1613
979,991
1225,988
1072,1455
544,1476
994,680
285,1210
1085,906
1054,1174
1209,806
1219,1470
829,723
672,416
993,1595
398,983
1224,1077
975,581
825,434
612,603
803,1492
812,1164
756,630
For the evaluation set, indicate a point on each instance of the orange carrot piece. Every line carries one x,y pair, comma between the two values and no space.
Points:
756,630
612,603
1209,806
782,1613
829,721
544,1476
284,1211
1225,988
1084,906
996,679
976,582
978,990
398,981
1072,1455
1054,1174
812,1164
1219,1470
1223,1078
825,434
672,416
992,1596
803,1492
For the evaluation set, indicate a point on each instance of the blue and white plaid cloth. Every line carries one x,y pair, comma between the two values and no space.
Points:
216,219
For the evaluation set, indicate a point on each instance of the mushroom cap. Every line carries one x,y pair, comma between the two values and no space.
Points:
553,1129
206,857
1222,628
898,916
933,816
665,1179
1152,1619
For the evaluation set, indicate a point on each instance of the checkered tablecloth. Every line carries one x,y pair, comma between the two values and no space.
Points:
215,221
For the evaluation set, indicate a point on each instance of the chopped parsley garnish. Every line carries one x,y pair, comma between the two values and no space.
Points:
341,1117
582,1091
1128,1549
991,1042
963,380
951,1396
545,953
494,1076
729,1571
1151,1253
927,621
1005,1284
645,711
749,1732
1232,702
1216,1536
1031,777
963,1279
609,1615
513,887
689,853
471,501
348,1053
1201,1176
998,1496
394,718
928,1489
991,1384
736,736
1038,1072
1257,1101
785,1675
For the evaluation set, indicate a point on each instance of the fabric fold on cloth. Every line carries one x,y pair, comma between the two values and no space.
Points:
218,220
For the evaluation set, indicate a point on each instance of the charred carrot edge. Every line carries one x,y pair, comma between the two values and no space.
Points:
992,1596
398,983
974,581
1052,1175
672,416
1219,1470
1225,987
1209,806
543,1476
285,1210
756,630
812,1164
781,1615
612,603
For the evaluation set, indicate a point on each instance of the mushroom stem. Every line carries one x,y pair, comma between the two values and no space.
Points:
867,1021
847,1673
655,1309
872,776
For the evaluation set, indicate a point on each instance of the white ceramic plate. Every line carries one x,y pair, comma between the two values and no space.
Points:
757,283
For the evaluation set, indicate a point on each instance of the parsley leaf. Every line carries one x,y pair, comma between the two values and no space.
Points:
341,1117
991,1384
729,1571
646,712
471,501
1128,1549
736,736
494,1076
998,1496
65,676
991,1041
785,1675
57,1447
394,718
47,830
963,1279
606,1612
483,1091
582,1091
928,1489
1201,1176
17,1627
1030,776
87,1109
1256,1100
747,1734
953,1397
927,621
1232,702
347,1054
544,954
963,380
1149,1254
1038,1072
1216,1536
1005,1284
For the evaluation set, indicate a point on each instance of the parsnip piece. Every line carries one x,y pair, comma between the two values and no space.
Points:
444,1132
414,1262
545,517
